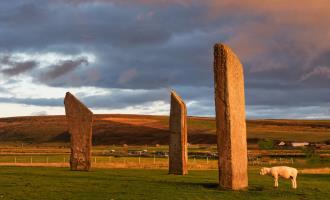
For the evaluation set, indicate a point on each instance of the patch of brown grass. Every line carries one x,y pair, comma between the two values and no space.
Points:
325,170
148,129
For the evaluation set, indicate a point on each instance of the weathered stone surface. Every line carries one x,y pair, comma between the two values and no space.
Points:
178,154
230,118
80,121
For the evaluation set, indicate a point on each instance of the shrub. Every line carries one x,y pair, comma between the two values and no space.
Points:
266,144
311,155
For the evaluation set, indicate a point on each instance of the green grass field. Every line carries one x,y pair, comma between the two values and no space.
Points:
60,183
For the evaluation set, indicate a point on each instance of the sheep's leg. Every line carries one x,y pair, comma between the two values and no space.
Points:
292,182
276,181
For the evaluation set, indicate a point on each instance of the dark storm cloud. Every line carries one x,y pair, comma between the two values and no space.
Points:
153,45
62,68
5,60
18,68
298,97
137,38
91,24
15,67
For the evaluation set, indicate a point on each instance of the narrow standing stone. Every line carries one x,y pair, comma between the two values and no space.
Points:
80,121
230,118
178,156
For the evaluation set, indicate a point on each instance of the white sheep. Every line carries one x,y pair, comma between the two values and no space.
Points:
281,171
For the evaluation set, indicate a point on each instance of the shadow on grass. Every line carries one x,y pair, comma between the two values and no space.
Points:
217,187
210,185
256,188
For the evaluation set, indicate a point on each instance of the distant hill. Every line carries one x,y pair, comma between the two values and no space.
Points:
147,129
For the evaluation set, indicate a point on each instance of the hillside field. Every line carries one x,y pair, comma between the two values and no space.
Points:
146,129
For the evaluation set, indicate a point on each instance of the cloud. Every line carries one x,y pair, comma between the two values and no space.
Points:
39,113
114,100
33,101
150,46
127,76
119,98
19,68
129,2
62,68
296,97
15,67
318,72
5,59
288,112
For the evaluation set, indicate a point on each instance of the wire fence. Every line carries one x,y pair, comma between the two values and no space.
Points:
128,162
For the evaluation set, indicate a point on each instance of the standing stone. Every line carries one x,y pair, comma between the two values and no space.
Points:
230,118
80,121
178,156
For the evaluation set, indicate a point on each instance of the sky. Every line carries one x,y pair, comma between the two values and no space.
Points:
124,56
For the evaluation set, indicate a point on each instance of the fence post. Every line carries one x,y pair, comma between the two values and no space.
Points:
207,160
154,159
15,159
64,159
139,160
94,159
291,160
47,159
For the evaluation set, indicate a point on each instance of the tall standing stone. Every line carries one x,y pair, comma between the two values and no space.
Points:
230,118
178,154
80,121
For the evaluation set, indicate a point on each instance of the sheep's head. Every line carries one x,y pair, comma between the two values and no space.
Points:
263,171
